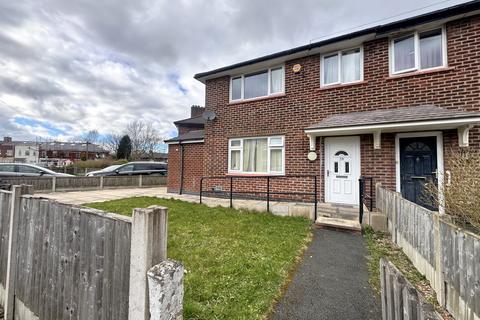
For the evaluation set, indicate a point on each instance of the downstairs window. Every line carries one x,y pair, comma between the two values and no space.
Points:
262,155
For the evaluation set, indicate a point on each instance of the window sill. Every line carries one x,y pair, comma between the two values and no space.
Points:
233,174
342,85
418,73
277,95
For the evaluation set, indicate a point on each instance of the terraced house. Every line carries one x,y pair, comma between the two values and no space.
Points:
390,102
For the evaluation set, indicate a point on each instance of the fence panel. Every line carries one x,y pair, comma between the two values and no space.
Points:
153,180
38,183
76,183
400,299
461,266
73,263
121,181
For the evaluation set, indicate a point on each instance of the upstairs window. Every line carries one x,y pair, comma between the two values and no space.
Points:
262,155
258,84
418,51
342,67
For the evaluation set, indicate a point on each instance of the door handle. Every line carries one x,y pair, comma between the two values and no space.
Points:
417,177
328,173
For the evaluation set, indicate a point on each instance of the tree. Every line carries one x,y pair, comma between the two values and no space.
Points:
124,150
91,136
111,142
144,136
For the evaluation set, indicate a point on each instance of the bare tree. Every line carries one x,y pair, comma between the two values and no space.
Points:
144,137
91,136
111,142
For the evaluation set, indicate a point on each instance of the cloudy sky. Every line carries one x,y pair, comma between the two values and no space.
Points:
67,67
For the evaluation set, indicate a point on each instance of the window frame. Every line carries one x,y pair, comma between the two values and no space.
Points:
269,83
270,147
416,41
339,71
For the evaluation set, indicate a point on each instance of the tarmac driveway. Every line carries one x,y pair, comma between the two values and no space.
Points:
331,281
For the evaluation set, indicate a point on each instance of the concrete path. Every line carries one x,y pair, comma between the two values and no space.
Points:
277,208
331,281
79,197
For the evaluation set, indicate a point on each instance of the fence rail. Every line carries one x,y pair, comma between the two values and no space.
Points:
447,255
53,184
263,191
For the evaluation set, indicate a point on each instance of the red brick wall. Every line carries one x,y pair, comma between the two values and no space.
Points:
305,103
193,167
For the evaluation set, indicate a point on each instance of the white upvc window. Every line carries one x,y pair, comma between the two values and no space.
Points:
418,50
345,66
259,155
258,84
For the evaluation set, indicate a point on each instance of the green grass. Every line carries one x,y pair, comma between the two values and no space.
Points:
236,262
380,246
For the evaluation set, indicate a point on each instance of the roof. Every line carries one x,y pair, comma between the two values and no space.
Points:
188,136
70,146
387,116
378,29
199,120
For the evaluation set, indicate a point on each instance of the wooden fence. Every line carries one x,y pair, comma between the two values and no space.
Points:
59,261
400,299
447,255
53,184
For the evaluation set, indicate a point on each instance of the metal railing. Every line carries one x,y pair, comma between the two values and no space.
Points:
365,196
268,193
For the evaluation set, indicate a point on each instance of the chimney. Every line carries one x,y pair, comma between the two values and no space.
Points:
196,111
7,139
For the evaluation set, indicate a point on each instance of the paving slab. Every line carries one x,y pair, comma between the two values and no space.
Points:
331,282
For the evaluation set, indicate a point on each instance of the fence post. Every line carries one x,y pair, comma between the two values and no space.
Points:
17,192
231,192
140,181
268,194
148,248
54,184
439,285
101,182
165,286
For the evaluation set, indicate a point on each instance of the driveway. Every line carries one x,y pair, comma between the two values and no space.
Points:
331,281
79,197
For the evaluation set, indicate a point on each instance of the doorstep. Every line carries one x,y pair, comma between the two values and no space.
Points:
336,223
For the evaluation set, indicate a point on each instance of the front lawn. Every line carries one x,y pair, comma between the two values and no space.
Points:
236,262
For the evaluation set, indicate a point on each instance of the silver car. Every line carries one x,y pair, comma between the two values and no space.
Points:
27,170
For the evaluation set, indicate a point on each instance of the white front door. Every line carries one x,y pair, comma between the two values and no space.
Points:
342,169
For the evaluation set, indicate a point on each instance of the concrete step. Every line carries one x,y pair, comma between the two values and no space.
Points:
334,208
338,223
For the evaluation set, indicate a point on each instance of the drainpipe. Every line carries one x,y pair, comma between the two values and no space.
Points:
181,166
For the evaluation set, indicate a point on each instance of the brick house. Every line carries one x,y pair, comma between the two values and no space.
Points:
391,102
185,153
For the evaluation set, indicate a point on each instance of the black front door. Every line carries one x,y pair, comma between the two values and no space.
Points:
418,165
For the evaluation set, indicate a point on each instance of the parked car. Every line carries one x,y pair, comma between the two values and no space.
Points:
27,170
132,168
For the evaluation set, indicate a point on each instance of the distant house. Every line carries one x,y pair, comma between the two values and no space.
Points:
59,153
7,149
26,152
185,152
49,153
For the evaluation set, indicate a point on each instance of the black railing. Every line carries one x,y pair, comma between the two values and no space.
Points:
268,193
364,196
